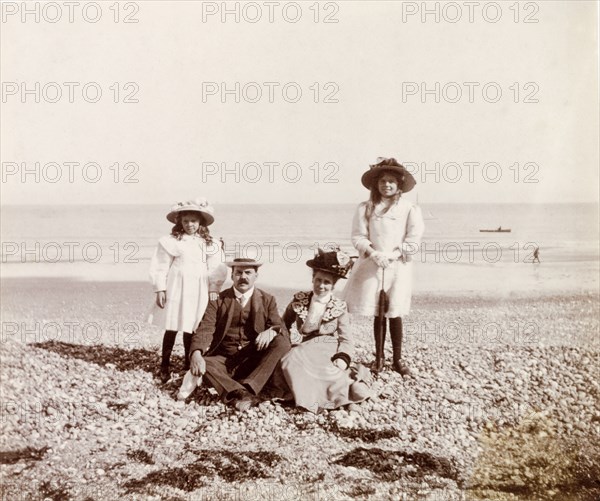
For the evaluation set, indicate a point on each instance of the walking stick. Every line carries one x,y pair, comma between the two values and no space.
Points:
381,327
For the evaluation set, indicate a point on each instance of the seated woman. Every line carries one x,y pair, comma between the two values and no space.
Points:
319,370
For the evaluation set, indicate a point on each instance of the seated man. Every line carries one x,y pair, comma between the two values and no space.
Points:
241,338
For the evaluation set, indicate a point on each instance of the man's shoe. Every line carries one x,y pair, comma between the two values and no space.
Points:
244,400
165,374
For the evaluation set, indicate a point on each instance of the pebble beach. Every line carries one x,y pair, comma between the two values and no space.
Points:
458,139
502,404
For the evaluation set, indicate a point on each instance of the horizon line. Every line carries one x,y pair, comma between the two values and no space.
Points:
597,202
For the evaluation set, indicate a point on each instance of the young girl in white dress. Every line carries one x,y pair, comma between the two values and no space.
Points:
386,231
186,270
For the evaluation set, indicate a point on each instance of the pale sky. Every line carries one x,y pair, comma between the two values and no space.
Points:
376,61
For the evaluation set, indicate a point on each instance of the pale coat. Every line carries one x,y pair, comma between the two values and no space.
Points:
187,270
401,227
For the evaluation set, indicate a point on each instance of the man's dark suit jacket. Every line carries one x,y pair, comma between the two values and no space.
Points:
218,315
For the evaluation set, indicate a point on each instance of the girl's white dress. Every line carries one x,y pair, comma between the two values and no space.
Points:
401,227
187,270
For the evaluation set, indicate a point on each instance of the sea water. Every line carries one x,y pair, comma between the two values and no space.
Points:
116,243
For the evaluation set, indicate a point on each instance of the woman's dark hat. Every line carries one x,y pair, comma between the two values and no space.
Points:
388,165
243,262
335,262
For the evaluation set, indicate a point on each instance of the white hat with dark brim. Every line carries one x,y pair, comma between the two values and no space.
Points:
199,204
243,262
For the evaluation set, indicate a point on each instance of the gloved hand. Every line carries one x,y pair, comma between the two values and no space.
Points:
380,259
340,364
161,299
395,255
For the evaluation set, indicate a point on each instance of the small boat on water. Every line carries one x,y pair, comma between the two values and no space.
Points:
497,230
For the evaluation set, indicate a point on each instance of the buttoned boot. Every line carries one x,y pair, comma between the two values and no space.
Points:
396,335
167,348
379,331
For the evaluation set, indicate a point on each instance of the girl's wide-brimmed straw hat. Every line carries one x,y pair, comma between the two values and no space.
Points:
199,204
337,263
407,181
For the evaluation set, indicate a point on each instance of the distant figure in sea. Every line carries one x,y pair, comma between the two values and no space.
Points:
186,270
536,255
319,370
386,231
240,340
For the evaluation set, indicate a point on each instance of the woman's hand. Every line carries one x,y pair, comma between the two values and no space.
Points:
380,259
340,364
213,296
161,299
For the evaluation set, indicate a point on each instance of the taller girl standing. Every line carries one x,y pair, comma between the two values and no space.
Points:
186,270
386,231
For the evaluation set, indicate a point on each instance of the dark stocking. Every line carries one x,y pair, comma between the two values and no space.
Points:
396,335
187,343
167,347
380,329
